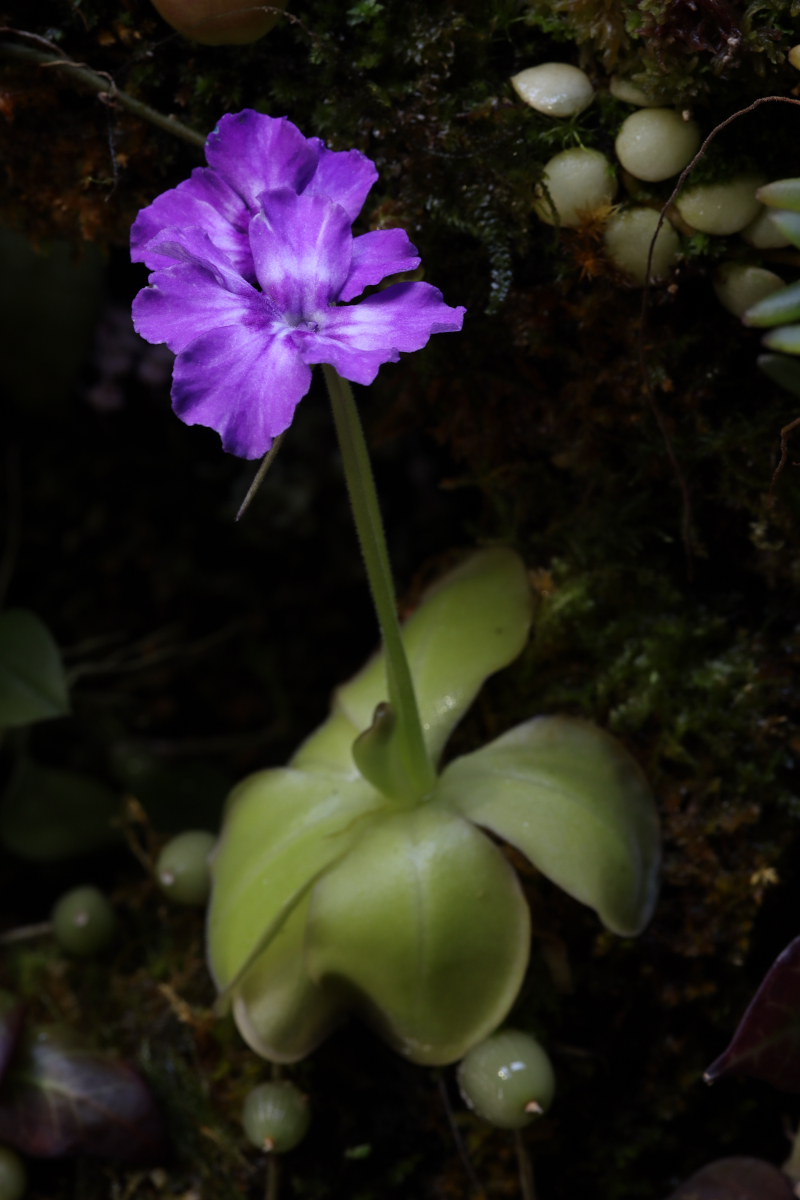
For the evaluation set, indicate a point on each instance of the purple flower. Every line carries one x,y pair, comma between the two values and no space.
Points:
254,261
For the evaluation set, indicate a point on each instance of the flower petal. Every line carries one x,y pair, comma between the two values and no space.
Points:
201,293
204,200
356,339
245,381
194,246
255,153
302,248
344,175
376,255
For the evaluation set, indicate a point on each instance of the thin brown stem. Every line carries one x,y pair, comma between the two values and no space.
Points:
686,521
787,429
102,85
526,1183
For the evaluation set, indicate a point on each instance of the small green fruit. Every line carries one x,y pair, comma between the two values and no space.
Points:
276,1116
13,1176
182,868
508,1079
83,921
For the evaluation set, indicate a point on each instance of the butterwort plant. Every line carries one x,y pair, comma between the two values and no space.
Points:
362,877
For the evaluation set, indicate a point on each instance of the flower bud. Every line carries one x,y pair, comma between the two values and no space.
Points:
655,143
763,232
276,1116
557,89
721,208
627,244
508,1079
13,1176
83,921
629,93
182,868
579,183
738,286
221,22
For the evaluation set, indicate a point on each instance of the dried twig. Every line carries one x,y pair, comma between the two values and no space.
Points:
687,511
787,429
103,86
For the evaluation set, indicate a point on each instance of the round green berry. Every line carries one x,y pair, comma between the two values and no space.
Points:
182,869
508,1079
13,1176
83,921
276,1116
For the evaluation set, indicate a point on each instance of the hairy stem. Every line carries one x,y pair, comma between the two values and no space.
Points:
369,526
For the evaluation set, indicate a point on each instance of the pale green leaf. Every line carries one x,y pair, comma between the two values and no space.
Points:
280,1013
423,930
48,814
329,748
283,828
471,623
573,800
32,683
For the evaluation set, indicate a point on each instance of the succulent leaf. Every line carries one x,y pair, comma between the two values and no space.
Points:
776,308
786,338
424,930
781,193
471,623
282,829
789,225
572,799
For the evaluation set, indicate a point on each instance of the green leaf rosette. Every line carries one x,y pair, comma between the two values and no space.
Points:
333,896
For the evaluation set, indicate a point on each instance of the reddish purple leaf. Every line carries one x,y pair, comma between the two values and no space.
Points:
59,1097
11,1017
736,1179
767,1043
